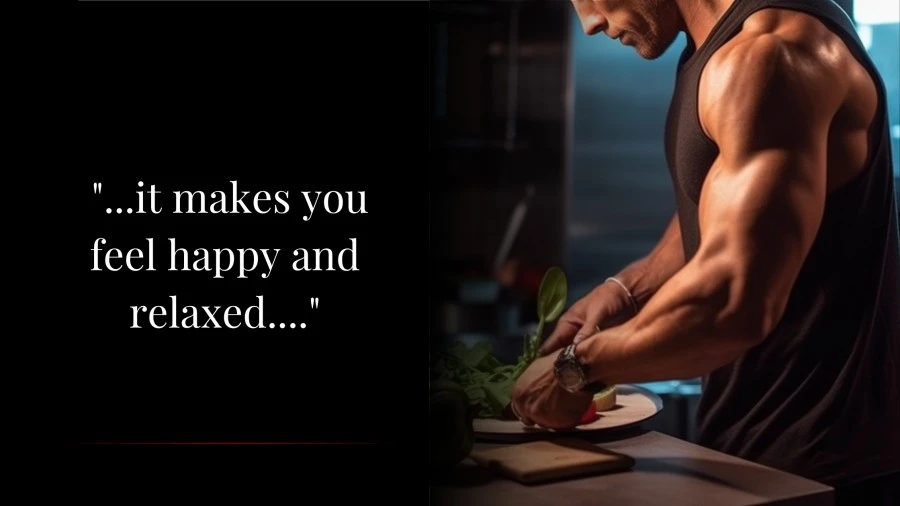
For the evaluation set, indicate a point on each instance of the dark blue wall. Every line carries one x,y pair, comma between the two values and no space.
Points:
621,194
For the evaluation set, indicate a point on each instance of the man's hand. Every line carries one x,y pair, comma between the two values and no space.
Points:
608,305
605,306
539,400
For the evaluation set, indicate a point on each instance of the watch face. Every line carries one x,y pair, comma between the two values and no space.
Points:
570,376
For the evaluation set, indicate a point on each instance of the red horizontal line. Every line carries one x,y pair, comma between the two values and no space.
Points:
217,443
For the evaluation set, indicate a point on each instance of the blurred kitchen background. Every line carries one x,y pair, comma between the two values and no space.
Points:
547,150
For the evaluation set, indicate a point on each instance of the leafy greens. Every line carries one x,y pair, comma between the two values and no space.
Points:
487,382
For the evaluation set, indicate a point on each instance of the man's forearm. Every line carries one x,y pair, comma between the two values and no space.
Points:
645,276
694,324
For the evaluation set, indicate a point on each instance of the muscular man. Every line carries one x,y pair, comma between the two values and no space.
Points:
777,280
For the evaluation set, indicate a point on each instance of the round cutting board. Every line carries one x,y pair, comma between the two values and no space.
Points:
634,405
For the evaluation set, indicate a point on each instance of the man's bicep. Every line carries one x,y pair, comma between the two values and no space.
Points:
766,211
757,225
763,199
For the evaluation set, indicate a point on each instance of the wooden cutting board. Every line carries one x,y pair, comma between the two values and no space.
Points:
542,461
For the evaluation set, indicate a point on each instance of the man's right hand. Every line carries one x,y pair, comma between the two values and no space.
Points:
607,305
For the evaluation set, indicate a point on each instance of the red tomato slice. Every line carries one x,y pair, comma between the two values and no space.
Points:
590,415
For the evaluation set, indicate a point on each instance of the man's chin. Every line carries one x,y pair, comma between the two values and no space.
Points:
649,51
645,52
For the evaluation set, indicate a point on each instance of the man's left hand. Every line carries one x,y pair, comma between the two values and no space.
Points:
537,399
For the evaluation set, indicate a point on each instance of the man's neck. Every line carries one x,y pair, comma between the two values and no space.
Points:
700,16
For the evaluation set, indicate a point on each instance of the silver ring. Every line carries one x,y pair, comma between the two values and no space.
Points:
512,407
519,417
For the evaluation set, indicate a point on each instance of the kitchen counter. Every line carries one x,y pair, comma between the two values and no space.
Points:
668,471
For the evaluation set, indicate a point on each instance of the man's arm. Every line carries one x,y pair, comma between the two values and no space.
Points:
645,276
767,107
607,305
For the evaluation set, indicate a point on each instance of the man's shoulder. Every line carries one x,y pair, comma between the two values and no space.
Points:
790,54
783,44
780,72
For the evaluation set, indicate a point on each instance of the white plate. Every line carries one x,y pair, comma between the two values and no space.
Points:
634,405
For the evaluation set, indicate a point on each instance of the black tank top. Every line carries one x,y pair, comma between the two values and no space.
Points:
820,397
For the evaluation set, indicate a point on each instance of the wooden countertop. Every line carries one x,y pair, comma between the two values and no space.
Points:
668,471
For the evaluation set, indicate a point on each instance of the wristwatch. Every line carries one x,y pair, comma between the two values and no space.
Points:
571,373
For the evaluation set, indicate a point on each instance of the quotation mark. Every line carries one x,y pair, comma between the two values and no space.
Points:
98,187
314,302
